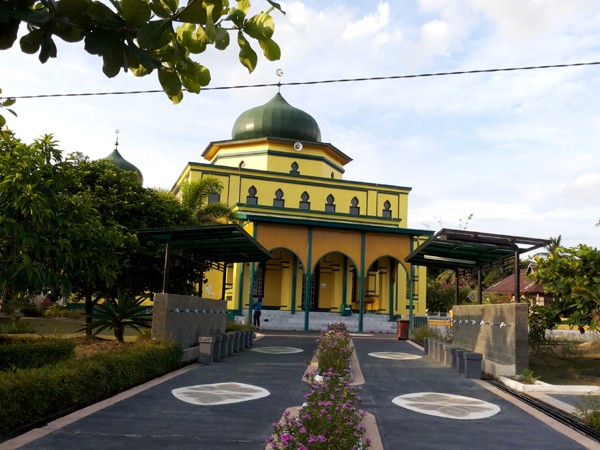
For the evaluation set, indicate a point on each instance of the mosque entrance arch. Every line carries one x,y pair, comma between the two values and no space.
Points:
279,281
333,284
386,287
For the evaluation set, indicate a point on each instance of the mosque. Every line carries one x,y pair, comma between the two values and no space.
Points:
338,246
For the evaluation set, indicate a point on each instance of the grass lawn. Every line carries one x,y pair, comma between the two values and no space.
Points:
563,363
69,328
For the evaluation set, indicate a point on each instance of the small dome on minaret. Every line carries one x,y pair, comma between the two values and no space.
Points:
116,159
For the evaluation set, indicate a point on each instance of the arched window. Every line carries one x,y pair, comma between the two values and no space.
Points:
294,170
387,212
279,201
354,208
304,203
330,205
252,199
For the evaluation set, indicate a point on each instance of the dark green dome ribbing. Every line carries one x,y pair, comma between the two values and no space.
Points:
116,159
276,118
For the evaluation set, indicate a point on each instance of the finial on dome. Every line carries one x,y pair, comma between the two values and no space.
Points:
279,74
117,139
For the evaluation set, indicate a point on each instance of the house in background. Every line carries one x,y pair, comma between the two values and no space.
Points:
338,246
529,288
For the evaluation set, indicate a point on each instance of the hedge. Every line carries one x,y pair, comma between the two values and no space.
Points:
22,354
32,397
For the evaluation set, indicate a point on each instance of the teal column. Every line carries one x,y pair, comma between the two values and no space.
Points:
241,289
411,288
294,274
344,283
363,242
252,269
307,282
391,289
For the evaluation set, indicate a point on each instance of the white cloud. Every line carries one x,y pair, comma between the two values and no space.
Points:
370,24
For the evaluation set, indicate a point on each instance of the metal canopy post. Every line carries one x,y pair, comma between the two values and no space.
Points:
517,277
456,287
479,286
166,268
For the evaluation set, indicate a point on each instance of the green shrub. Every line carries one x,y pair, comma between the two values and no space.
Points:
15,326
236,326
425,331
36,395
32,353
588,408
57,311
30,311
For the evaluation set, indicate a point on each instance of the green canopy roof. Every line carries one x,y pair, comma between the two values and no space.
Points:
465,249
216,243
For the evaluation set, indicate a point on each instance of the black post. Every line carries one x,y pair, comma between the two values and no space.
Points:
517,278
457,290
166,268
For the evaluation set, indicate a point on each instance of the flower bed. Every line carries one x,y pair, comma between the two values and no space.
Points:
330,418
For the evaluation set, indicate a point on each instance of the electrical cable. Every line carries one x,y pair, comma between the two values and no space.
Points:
306,83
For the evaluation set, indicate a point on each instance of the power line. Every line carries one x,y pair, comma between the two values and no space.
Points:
306,83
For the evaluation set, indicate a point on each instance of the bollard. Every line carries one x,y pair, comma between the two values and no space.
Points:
461,361
206,349
230,336
473,364
439,352
454,362
425,345
447,355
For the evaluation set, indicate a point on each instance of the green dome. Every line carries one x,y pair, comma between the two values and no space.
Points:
276,118
116,159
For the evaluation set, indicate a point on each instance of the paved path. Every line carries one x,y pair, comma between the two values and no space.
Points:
154,418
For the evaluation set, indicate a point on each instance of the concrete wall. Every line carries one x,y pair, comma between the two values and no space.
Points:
185,318
498,332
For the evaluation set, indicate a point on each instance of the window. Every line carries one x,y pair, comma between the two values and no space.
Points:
252,199
387,212
279,201
330,206
294,167
304,203
354,208
214,197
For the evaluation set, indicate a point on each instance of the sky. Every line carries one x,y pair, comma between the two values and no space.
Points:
519,150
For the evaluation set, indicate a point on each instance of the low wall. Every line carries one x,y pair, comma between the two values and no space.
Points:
185,318
498,332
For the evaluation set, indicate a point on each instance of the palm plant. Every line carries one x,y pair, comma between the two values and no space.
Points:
126,310
196,195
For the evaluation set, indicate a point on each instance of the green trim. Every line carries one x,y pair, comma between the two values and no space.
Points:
307,285
331,147
213,169
411,291
391,288
363,240
294,275
315,212
341,226
278,153
241,290
345,283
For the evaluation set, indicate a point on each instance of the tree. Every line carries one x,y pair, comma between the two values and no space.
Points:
195,197
45,233
572,275
124,204
142,36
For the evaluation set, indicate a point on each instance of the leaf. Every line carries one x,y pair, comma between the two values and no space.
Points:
210,24
247,56
8,102
276,5
270,49
113,62
221,39
243,5
2,121
169,81
135,12
237,16
260,26
48,49
155,34
8,34
193,13
160,8
194,76
30,43
194,42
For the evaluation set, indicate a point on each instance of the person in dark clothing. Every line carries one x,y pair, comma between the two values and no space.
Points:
257,307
